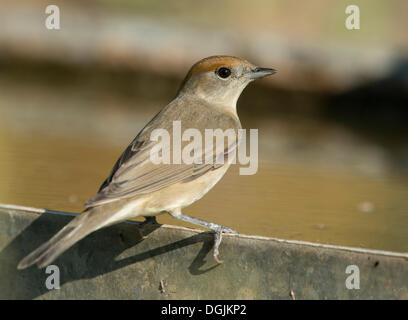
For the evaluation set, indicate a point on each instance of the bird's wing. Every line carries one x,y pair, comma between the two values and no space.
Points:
134,173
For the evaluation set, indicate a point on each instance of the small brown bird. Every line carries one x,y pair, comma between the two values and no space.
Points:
138,186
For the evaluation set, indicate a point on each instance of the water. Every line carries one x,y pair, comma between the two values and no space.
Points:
316,181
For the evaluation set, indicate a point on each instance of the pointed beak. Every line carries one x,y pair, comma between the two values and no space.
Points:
258,73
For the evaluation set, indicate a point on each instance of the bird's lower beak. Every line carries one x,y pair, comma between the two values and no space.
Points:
260,73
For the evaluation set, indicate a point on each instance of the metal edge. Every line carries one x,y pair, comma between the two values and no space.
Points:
243,236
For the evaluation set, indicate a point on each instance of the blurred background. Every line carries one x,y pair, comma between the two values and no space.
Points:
332,122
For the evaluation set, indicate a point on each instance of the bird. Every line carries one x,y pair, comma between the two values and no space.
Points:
139,187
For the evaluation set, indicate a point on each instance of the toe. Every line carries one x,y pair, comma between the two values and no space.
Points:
228,230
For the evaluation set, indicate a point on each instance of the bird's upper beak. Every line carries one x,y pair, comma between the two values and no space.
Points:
260,73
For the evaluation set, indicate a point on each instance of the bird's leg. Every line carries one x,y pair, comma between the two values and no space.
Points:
148,221
213,226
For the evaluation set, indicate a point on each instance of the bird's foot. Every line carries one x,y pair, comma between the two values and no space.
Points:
218,239
219,230
225,230
148,222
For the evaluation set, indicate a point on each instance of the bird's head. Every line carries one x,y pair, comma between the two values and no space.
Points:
221,79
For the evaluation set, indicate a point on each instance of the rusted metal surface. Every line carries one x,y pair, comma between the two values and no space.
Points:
177,263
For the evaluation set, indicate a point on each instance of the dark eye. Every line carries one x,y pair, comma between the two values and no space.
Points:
224,72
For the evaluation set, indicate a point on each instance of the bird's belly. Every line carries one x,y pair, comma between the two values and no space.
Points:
181,195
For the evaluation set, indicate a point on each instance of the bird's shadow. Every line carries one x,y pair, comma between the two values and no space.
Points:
93,256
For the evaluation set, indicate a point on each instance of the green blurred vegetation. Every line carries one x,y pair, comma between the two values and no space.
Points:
382,22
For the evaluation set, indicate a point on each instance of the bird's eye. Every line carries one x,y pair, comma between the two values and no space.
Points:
223,72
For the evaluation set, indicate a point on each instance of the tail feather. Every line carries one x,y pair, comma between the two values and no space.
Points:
63,240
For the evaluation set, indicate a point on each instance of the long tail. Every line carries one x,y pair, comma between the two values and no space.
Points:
78,228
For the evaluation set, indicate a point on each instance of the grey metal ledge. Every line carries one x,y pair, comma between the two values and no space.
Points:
177,263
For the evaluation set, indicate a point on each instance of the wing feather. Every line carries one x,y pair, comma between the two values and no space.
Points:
134,174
